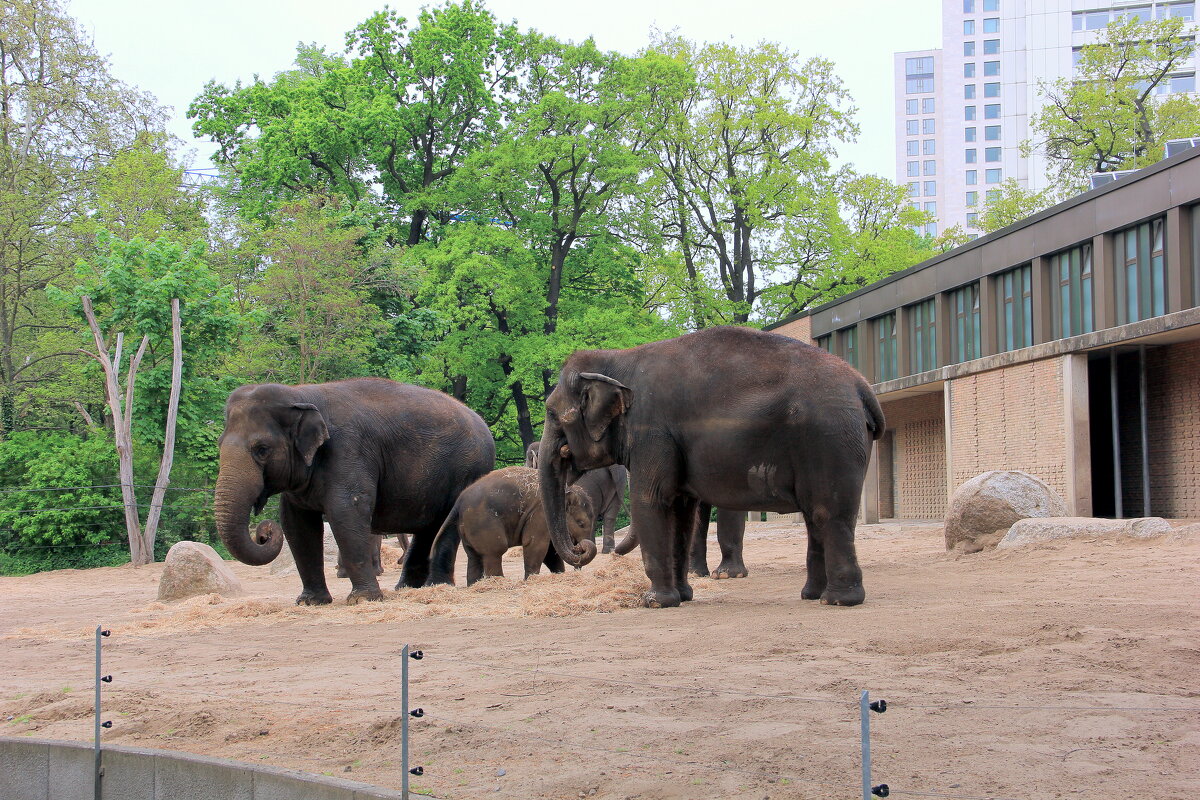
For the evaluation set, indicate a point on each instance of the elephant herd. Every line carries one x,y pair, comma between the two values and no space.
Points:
730,418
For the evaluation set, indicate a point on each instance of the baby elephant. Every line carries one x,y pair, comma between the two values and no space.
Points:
504,509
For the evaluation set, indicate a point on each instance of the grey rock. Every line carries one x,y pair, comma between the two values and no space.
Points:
991,502
191,569
1032,531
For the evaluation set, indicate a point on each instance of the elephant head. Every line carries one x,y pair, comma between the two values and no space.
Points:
271,437
584,417
580,517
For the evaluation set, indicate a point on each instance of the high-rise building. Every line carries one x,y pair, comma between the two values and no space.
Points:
963,111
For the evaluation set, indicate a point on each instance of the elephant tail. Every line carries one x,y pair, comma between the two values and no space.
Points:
875,421
444,550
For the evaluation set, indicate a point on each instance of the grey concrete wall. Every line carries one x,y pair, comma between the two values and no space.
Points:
41,769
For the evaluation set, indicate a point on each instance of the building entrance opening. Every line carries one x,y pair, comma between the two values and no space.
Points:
1118,420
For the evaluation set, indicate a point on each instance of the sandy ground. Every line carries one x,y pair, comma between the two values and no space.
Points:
1059,670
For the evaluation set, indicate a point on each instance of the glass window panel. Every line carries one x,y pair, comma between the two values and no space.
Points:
1077,21
969,112
910,106
921,65
968,27
1183,83
914,189
930,188
992,133
913,147
991,111
912,127
928,105
991,46
929,167
969,69
968,49
993,176
991,68
968,6
972,177
914,169
991,5
991,90
992,153
929,147
969,92
991,25
970,155
929,126
972,198
969,134
1095,20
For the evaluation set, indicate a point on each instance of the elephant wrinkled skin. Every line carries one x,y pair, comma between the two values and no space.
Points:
605,487
730,417
369,455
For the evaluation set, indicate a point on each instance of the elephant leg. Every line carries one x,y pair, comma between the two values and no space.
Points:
358,545
833,572
609,525
474,564
553,561
699,561
731,531
416,559
686,510
534,555
492,565
305,537
376,557
652,520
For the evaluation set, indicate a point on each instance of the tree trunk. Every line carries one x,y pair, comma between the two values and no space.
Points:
168,454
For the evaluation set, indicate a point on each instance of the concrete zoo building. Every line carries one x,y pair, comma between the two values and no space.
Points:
1066,345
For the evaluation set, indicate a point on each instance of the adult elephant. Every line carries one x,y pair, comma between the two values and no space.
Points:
605,488
731,417
731,530
369,455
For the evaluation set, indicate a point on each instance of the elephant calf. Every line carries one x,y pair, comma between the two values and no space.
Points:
504,509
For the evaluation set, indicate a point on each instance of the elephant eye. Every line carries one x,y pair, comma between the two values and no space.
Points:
260,450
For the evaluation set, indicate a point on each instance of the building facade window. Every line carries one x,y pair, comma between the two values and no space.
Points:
991,5
991,68
969,112
825,343
965,331
991,153
971,155
991,133
918,75
922,332
929,147
885,347
1014,307
929,167
972,198
913,147
912,127
1141,276
928,105
930,188
910,106
991,90
993,176
1073,299
931,207
991,194
929,126
972,177
914,169
968,6
968,49
969,91
991,47
968,27
991,111
914,189
969,134
848,345
1185,11
991,25
972,218
969,69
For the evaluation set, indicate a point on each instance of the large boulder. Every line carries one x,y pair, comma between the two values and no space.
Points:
982,510
193,568
1032,531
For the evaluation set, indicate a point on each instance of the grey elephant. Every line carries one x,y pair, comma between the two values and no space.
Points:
501,510
606,489
369,455
730,417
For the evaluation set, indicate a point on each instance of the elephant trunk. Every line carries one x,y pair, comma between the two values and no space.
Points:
239,486
554,474
627,545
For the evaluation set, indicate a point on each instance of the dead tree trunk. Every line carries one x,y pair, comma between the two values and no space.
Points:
168,453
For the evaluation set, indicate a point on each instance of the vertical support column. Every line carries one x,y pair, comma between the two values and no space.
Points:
869,505
903,342
1119,511
1180,259
1043,306
1104,282
1142,398
948,402
1077,423
988,330
866,351
943,315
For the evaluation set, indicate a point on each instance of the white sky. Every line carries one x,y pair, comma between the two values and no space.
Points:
172,47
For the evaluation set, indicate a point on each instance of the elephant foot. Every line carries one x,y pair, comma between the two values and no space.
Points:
685,592
436,580
731,569
311,598
359,595
658,598
848,597
698,569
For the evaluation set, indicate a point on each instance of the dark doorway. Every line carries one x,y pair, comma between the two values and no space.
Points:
1117,406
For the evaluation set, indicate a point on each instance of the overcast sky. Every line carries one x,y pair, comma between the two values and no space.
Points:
172,47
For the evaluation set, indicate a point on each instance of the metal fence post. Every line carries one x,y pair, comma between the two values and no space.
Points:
864,712
404,724
96,766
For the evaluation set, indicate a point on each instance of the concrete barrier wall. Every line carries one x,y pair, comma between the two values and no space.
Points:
41,769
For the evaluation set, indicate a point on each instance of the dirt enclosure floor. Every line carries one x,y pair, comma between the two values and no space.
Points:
1067,669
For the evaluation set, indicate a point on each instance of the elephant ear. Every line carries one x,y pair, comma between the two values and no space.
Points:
602,400
309,432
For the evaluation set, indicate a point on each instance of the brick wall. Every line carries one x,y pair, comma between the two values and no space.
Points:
797,329
919,454
1173,422
1010,418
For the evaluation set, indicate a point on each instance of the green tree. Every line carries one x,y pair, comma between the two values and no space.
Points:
1010,203
62,113
1111,114
398,112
